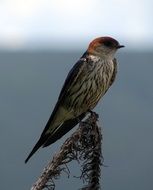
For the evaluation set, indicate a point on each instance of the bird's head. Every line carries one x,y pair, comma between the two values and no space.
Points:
104,47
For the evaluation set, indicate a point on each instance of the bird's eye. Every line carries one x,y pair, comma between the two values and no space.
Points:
108,43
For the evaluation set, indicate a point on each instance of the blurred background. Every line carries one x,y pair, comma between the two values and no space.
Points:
39,42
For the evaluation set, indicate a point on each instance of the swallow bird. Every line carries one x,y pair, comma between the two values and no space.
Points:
86,83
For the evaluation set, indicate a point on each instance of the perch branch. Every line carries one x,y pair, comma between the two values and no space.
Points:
84,145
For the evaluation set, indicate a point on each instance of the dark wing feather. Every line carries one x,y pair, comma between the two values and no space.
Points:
63,129
72,76
40,142
70,80
47,139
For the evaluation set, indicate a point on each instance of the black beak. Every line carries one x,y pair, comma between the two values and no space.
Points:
120,46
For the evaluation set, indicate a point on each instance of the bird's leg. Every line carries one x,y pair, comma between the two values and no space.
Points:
94,114
91,112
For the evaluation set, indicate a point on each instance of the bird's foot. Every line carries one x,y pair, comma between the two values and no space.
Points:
93,114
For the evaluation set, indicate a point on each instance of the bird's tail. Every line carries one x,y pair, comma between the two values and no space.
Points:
40,142
48,138
63,129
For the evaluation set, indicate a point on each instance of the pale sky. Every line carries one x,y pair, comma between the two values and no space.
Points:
74,23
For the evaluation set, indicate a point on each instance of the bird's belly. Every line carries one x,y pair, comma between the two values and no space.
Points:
88,92
86,98
94,95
